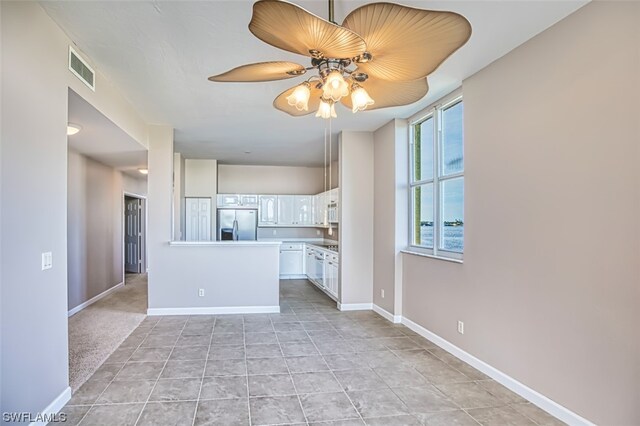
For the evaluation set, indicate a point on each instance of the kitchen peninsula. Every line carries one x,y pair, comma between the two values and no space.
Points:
219,277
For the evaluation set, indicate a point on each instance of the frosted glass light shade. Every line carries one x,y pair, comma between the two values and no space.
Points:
360,99
300,97
326,110
335,87
72,128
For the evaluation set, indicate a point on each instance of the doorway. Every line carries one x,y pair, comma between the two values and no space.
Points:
134,234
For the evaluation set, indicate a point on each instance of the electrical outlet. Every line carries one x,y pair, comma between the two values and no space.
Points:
382,292
47,260
201,292
460,327
317,232
275,232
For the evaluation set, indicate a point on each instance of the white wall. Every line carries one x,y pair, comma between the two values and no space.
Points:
356,217
94,228
550,284
134,186
35,83
178,196
270,180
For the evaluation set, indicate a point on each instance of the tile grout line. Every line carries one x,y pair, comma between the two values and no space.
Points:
306,420
161,371
333,373
116,375
206,361
246,366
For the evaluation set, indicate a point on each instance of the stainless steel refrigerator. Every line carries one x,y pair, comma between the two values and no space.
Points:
237,224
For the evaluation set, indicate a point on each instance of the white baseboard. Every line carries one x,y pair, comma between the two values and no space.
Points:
293,277
94,299
54,408
521,389
221,310
396,319
355,306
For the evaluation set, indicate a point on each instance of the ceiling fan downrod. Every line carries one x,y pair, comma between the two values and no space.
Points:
331,12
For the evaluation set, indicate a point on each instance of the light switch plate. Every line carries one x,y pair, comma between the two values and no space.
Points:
47,260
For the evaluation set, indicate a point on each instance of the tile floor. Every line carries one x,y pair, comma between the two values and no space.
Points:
310,364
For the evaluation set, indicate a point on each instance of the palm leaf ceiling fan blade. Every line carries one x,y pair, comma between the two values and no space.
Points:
281,102
290,27
392,93
261,71
406,43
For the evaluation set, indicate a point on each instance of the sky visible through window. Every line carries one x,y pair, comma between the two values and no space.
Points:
452,162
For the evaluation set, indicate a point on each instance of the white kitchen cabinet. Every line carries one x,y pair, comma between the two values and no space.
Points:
321,209
228,200
248,201
237,200
303,210
291,261
267,210
331,267
286,209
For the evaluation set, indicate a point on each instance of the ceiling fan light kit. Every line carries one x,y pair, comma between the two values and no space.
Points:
379,57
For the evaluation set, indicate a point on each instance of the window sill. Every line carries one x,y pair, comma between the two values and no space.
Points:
431,256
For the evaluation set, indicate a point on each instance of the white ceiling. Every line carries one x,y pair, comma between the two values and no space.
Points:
103,141
160,54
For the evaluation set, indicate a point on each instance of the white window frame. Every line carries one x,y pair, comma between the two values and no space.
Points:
434,111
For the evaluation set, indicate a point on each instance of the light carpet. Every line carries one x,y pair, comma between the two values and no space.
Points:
97,330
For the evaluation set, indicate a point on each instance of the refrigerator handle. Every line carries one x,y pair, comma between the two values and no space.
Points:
235,230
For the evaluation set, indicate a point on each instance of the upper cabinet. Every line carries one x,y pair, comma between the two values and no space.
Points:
303,210
297,210
238,200
267,210
286,205
228,200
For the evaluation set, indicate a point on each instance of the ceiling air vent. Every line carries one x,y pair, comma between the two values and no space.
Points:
81,69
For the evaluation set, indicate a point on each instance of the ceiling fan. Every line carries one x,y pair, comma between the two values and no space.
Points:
379,57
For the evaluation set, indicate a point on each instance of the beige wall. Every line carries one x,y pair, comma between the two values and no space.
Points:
356,217
94,229
35,87
200,180
391,209
269,180
550,284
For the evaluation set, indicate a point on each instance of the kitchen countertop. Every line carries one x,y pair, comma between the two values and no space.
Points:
322,243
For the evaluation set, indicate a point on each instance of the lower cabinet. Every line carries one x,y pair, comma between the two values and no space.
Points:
291,261
331,275
321,268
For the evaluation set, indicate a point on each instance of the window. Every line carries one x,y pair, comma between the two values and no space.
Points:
437,181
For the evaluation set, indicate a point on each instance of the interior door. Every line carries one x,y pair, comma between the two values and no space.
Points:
133,235
204,218
192,224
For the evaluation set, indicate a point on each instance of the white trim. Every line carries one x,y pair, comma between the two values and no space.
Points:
219,310
94,299
521,389
396,319
414,251
355,306
293,277
56,405
243,243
